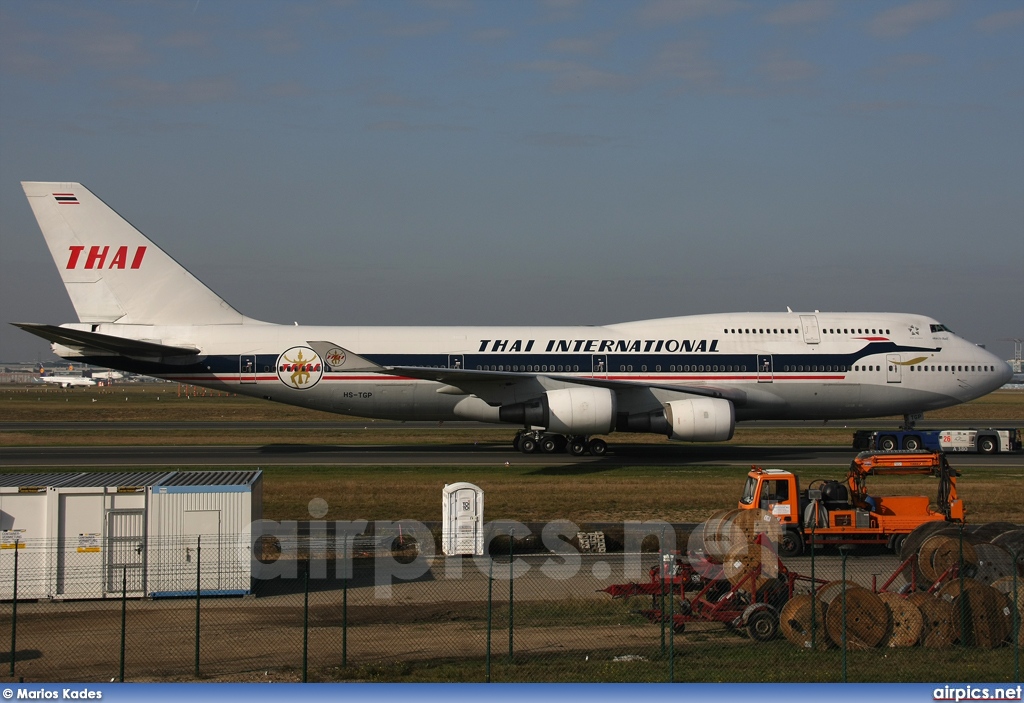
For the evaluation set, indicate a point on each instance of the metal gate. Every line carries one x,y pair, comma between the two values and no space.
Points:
126,550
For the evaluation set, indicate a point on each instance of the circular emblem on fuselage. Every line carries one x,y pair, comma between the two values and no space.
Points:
335,357
300,368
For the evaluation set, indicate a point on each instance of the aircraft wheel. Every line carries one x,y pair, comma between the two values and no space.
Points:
598,447
577,446
549,445
527,445
912,443
515,442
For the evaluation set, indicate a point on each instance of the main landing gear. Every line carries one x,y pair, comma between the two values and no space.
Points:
530,441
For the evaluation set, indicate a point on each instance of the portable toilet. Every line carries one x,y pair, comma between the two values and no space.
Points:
462,531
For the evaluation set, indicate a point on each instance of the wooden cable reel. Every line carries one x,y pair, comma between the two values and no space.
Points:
985,612
795,622
940,629
940,552
867,619
755,522
994,563
906,623
748,558
721,535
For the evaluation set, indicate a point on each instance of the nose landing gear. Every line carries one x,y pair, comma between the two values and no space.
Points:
530,441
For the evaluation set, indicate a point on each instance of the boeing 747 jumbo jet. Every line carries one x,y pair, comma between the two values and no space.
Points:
690,378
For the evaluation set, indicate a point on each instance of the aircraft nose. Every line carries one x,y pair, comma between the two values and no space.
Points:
1004,371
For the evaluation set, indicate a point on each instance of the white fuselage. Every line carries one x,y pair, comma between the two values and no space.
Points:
787,365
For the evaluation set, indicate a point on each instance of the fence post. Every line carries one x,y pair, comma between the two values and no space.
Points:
14,610
814,590
661,588
124,616
305,628
963,596
671,634
511,600
490,589
344,616
199,564
1016,620
845,549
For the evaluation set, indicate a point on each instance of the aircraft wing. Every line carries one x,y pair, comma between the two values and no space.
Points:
104,344
472,379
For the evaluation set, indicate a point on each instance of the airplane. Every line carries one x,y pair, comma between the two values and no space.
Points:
66,382
690,378
107,375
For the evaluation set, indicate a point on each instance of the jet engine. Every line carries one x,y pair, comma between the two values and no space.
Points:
700,420
570,411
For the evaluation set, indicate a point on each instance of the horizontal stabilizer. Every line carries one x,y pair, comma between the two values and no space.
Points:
117,346
337,358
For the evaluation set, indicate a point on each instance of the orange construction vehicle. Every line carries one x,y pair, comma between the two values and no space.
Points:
836,512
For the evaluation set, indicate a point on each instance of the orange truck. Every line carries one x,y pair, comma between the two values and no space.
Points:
829,513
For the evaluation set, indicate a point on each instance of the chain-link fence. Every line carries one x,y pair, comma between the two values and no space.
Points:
343,603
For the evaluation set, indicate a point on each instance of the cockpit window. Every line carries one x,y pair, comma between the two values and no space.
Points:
941,328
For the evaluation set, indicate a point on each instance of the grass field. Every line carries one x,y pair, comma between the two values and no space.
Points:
582,493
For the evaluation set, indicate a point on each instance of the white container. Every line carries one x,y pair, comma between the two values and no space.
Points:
90,535
202,521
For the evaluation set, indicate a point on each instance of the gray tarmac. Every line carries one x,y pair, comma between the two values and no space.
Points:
443,455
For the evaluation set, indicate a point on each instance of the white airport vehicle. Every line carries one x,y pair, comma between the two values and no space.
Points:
691,378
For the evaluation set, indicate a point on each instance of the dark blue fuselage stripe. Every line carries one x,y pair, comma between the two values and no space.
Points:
549,362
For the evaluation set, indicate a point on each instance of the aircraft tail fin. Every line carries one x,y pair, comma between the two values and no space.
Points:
113,272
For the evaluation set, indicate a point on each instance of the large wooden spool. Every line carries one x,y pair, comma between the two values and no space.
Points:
795,622
867,619
940,629
983,611
906,623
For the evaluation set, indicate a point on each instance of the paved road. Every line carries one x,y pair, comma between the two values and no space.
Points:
442,455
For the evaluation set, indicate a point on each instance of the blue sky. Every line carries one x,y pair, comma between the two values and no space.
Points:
562,162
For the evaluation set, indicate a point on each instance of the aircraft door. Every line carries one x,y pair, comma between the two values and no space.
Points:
456,361
809,325
893,369
247,368
599,366
765,372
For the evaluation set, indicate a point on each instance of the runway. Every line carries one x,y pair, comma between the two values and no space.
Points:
443,455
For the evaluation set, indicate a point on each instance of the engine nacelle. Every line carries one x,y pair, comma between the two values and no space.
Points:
700,420
575,411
